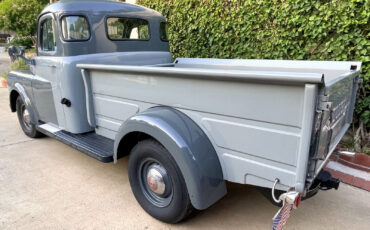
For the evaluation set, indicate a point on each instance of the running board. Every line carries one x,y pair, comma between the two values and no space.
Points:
91,144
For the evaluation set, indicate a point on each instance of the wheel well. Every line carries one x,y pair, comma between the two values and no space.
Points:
13,100
128,142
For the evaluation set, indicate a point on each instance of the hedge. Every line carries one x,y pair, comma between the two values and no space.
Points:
271,29
26,41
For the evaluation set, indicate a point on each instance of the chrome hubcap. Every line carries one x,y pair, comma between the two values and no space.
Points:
26,117
155,181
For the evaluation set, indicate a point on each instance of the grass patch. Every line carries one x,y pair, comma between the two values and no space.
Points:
19,64
348,144
31,50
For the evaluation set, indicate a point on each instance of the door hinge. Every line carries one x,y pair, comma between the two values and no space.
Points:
325,104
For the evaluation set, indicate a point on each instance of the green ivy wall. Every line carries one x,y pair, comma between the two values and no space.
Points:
271,29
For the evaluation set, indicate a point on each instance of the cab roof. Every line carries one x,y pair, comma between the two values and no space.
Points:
98,6
97,12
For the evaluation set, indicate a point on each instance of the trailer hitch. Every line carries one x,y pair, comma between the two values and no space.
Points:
326,181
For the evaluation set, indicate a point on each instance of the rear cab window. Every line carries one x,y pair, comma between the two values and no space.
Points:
163,31
75,28
120,28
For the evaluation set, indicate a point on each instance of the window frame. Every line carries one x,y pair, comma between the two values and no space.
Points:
126,39
39,43
61,27
160,37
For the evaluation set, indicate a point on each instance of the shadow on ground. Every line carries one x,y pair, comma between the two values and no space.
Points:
45,184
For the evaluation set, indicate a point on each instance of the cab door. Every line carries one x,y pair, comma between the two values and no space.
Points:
46,86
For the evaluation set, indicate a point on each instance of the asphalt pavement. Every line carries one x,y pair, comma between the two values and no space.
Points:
45,184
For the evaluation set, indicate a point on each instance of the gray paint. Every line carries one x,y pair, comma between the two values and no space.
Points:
332,70
311,92
333,123
240,109
21,82
55,75
273,77
42,90
189,146
235,122
67,81
259,121
89,99
96,12
45,89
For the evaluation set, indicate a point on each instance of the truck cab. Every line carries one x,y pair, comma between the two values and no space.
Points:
101,32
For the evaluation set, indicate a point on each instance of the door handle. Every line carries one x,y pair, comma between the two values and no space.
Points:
52,66
66,102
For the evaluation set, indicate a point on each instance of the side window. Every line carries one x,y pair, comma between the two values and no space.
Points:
163,31
128,29
47,38
75,28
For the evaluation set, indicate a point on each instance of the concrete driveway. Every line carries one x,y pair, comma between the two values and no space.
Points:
47,185
4,63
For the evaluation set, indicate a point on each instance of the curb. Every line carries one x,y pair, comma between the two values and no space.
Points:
352,170
360,161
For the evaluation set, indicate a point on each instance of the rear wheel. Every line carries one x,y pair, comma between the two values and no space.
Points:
25,119
157,182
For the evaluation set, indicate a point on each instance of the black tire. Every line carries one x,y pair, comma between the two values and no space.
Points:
28,128
175,205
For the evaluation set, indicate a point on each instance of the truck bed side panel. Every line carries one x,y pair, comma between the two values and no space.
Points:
262,134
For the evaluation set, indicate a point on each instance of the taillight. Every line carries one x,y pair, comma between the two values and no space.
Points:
298,200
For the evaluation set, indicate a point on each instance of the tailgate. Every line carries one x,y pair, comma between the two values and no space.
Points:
333,117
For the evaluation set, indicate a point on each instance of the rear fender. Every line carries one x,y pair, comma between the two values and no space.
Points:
188,145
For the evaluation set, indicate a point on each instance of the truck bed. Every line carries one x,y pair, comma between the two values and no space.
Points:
259,114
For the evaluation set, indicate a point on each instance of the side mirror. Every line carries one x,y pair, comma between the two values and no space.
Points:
16,52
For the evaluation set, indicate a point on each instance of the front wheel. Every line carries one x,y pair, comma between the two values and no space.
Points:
157,182
24,119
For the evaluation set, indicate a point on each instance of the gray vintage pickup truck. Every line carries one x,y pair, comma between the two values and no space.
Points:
104,82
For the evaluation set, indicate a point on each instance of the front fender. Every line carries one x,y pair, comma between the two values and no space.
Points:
27,101
188,145
21,82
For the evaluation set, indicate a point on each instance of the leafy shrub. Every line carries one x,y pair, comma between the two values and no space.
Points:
274,29
27,42
20,16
